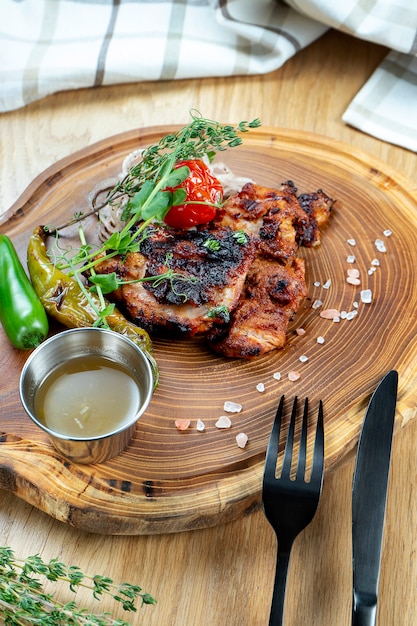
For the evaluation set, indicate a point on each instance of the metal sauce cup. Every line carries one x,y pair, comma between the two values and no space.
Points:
76,343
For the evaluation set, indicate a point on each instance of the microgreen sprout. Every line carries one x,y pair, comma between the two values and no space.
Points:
241,237
212,244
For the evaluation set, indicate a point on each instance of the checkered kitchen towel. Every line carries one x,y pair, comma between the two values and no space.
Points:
53,45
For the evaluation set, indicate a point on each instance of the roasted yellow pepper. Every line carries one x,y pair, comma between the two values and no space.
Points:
65,302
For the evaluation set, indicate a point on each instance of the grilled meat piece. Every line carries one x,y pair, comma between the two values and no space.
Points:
318,207
279,222
277,219
241,292
271,296
206,272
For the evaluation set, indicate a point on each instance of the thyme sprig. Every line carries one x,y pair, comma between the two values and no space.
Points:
148,192
24,601
145,188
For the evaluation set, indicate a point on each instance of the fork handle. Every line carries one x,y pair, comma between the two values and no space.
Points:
276,617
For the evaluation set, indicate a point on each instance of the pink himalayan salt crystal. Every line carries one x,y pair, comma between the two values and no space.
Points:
182,424
353,281
329,314
354,273
293,375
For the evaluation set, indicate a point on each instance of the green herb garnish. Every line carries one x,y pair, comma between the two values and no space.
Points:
24,601
212,244
145,192
241,237
219,311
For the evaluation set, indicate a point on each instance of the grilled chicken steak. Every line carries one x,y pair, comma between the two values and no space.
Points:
237,280
204,286
275,286
270,298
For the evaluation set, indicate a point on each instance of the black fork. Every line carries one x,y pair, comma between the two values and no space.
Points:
290,502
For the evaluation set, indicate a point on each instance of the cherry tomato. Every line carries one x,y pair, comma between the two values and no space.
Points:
200,186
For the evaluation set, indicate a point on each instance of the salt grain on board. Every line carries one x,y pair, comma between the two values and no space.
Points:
293,375
316,304
387,233
329,314
182,424
223,422
366,296
351,315
327,284
241,440
277,375
353,277
350,258
380,246
200,425
353,272
260,387
303,358
320,339
232,407
353,281
351,242
300,331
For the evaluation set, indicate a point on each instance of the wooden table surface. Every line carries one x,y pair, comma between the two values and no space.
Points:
223,576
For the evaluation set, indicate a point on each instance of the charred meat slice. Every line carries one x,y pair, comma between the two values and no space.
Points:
277,219
271,296
191,278
318,207
279,222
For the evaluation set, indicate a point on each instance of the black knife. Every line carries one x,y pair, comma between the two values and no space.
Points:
369,497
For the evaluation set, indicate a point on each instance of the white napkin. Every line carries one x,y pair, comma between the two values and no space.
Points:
54,45
386,106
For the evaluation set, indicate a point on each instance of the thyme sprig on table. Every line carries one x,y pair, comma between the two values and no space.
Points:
24,601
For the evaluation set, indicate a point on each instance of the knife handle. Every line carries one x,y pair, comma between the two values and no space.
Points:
364,612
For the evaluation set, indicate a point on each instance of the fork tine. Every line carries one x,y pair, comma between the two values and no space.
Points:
318,457
273,445
302,456
286,465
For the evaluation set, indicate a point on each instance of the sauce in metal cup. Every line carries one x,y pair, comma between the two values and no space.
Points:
87,388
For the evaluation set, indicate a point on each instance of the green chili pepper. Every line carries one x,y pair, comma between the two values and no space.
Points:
21,313
65,302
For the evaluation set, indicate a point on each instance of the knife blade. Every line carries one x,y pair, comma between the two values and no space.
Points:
369,497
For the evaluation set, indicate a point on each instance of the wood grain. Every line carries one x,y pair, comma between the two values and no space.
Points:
224,574
168,480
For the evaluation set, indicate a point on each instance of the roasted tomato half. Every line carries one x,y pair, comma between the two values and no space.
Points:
202,187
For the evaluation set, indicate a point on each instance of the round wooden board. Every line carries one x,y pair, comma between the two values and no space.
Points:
167,480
